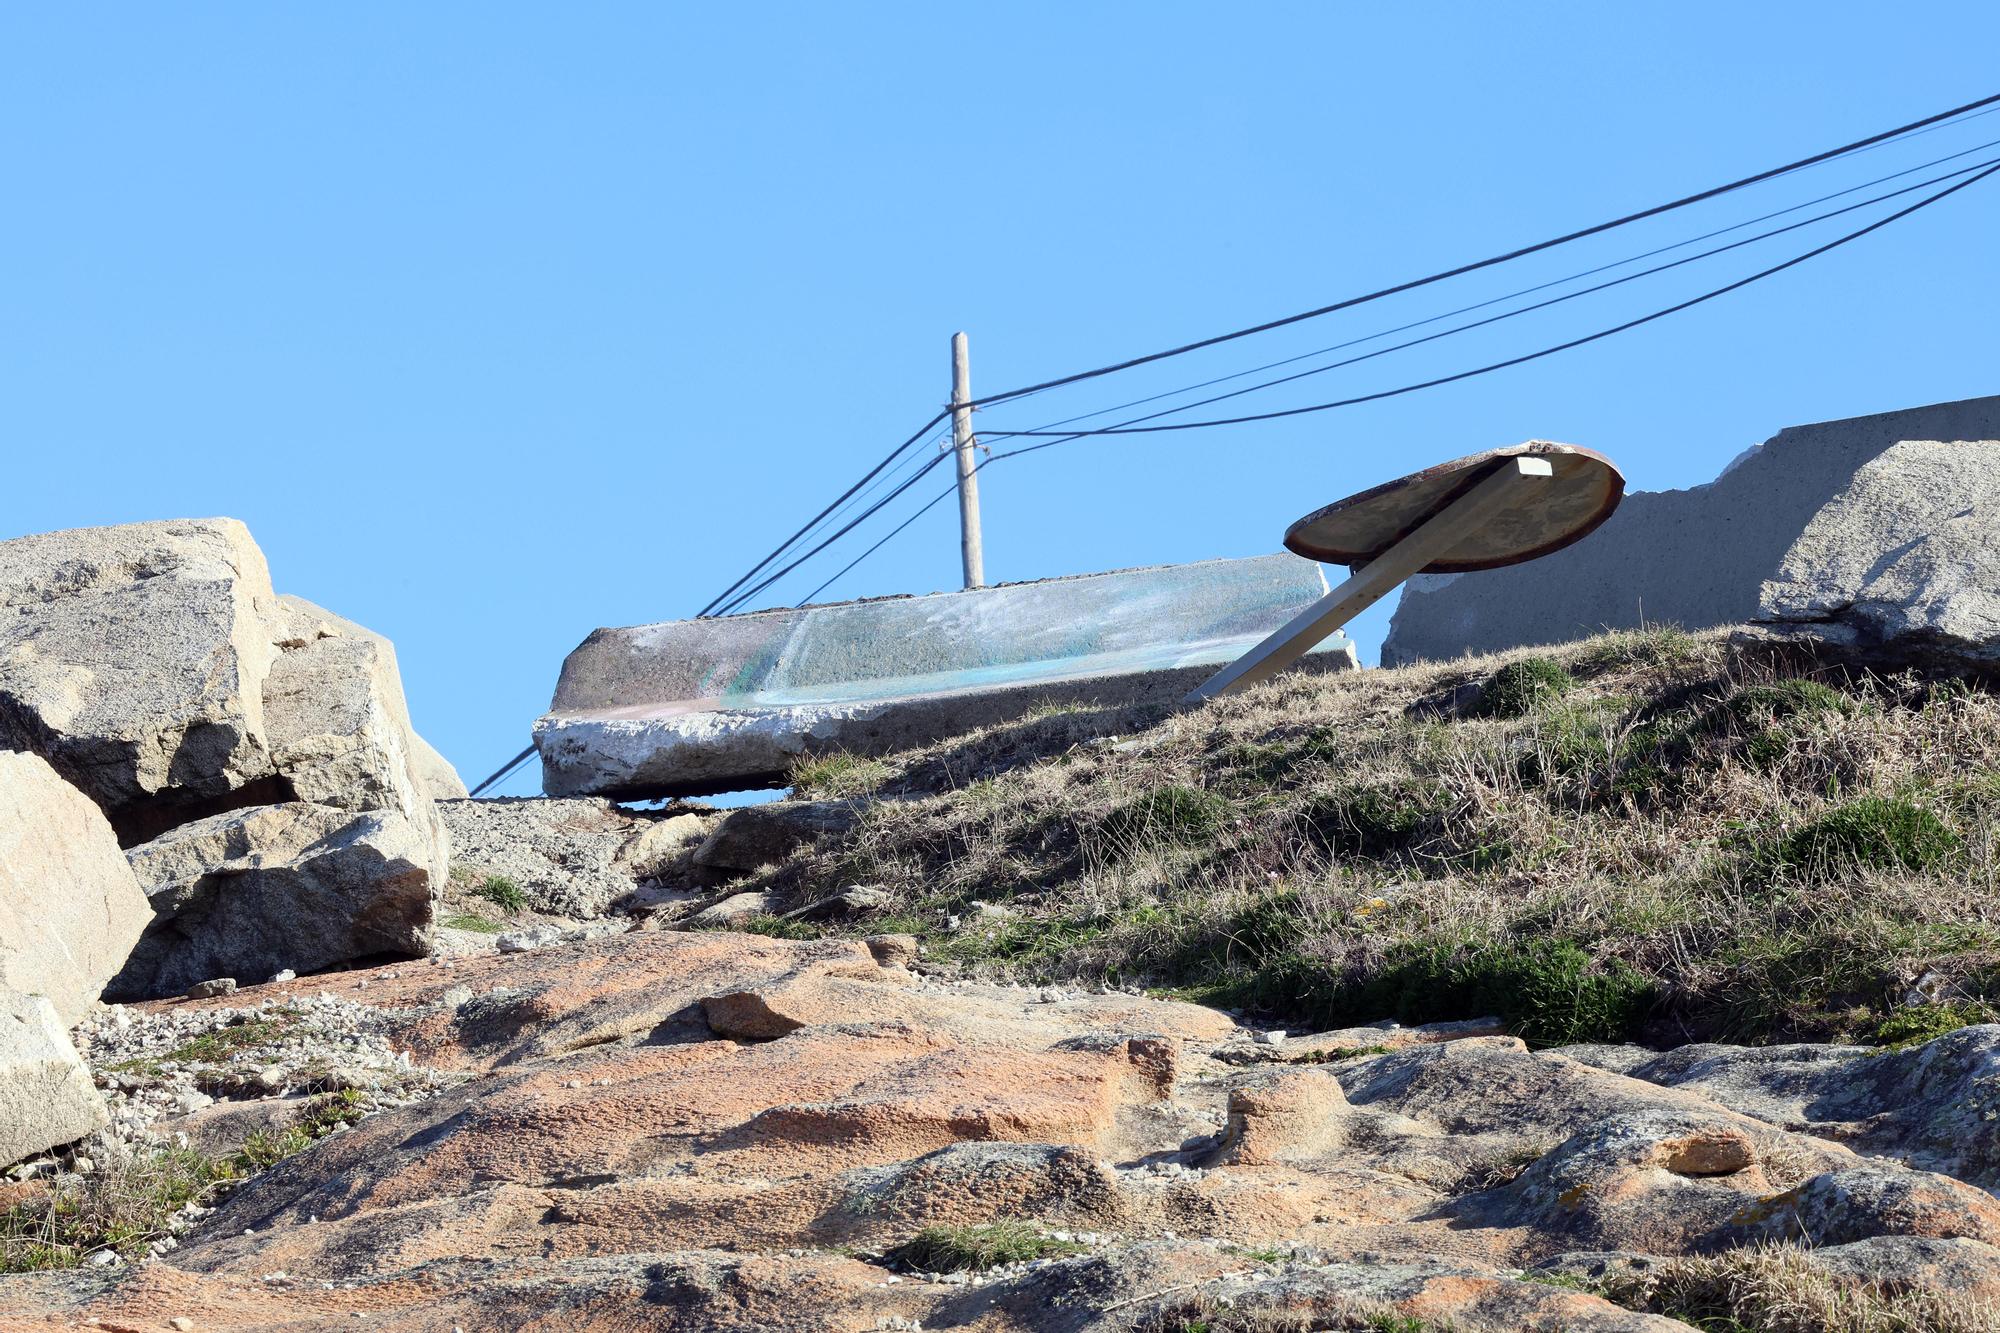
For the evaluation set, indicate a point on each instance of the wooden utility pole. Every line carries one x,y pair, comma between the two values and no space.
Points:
971,550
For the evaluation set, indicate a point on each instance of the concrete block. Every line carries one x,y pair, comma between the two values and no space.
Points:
699,706
1831,516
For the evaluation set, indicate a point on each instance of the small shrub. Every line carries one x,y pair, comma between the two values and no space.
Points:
1873,832
974,1249
1919,1023
1173,815
502,892
1763,710
266,1148
1518,688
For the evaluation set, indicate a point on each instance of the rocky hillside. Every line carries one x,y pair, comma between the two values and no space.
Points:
1645,836
697,1130
1634,985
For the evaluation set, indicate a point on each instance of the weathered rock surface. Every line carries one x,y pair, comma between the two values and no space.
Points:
133,659
70,908
297,886
751,836
1945,1095
710,1131
153,667
1906,557
1877,530
46,1096
339,729
572,857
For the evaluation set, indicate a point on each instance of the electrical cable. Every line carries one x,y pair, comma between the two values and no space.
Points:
1532,356
1626,220
868,476
884,541
1989,168
504,770
1984,169
1524,291
1522,310
852,524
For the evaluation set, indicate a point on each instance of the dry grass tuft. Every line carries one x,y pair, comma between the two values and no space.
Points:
122,1206
135,1196
1779,1289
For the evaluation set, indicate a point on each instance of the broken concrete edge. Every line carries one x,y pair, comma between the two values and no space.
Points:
704,753
1154,618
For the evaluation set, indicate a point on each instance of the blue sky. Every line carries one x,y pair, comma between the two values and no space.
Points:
498,323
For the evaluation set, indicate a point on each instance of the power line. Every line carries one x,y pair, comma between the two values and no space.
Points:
504,770
1518,360
1510,314
928,505
1524,291
1629,218
852,524
868,476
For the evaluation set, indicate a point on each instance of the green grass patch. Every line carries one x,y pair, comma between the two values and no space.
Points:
228,1043
1519,688
1916,1024
1888,833
777,927
1030,944
1783,700
472,921
1172,816
836,774
1579,746
1549,991
502,892
974,1249
1378,820
1654,646
1804,970
1767,714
